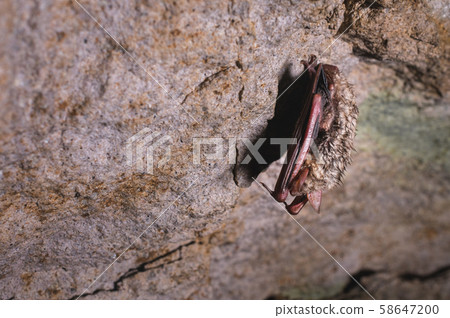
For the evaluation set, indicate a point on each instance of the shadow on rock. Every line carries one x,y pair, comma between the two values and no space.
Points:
291,94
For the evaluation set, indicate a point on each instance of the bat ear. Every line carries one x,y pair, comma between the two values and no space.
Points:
315,198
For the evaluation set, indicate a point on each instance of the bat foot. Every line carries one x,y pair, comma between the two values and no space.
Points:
311,64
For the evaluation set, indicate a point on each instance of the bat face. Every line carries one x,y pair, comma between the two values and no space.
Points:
324,132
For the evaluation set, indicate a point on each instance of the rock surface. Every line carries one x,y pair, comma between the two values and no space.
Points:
71,98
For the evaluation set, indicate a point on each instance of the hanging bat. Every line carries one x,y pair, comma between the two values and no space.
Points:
327,124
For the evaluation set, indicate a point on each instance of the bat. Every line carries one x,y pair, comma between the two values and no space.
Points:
326,126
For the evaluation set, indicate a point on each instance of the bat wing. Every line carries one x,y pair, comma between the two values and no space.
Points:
305,132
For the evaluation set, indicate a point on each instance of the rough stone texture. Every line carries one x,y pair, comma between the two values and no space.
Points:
71,98
412,39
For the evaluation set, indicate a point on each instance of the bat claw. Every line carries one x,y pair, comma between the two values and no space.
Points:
267,188
278,196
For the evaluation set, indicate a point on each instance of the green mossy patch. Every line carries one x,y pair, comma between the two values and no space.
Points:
402,130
